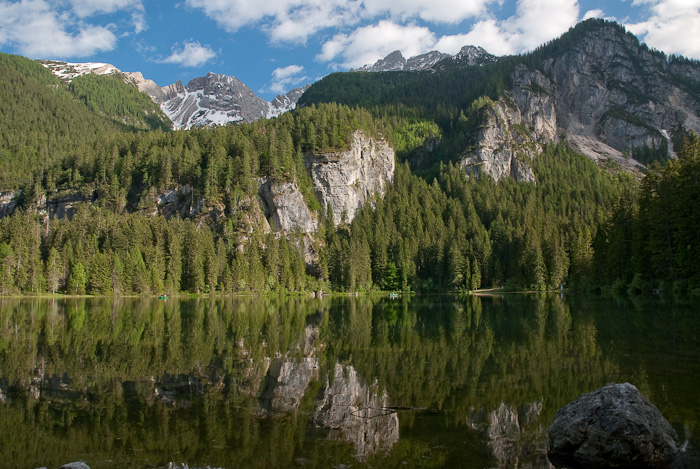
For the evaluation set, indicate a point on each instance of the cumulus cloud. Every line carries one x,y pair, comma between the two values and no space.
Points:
191,54
285,78
84,8
368,44
534,22
296,20
37,30
673,26
593,14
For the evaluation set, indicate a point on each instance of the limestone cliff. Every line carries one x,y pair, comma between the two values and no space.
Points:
604,94
613,96
347,180
285,207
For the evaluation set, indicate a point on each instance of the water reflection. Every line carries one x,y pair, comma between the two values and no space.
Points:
357,413
424,382
516,436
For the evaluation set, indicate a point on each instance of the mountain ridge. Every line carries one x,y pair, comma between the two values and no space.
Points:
215,99
600,90
431,61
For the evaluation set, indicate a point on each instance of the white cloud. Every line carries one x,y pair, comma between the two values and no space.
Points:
37,30
368,44
437,11
673,26
284,78
538,21
593,14
85,8
296,20
488,34
192,54
139,20
534,23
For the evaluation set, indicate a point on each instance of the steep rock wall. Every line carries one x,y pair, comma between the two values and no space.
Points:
347,180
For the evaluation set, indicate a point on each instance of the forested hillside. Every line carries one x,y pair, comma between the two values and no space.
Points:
86,168
45,123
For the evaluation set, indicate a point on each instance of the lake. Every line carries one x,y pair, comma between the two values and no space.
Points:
432,381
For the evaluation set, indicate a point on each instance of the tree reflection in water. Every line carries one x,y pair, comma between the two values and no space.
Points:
240,382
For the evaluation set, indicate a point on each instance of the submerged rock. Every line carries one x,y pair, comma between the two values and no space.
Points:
614,426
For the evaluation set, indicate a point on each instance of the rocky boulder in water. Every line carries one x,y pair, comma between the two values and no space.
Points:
614,426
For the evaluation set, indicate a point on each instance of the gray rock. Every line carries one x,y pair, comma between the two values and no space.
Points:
75,465
431,61
286,208
614,426
214,100
347,180
502,149
8,203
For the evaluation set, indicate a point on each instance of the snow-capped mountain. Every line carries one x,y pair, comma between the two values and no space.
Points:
220,99
206,101
213,100
472,55
286,102
395,62
67,70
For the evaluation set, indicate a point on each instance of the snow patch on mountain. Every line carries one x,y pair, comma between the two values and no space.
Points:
213,100
69,70
431,61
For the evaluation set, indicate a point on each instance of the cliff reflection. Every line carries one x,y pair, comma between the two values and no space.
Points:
259,381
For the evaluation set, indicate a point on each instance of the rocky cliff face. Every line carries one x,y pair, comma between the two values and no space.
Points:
605,95
214,100
347,180
513,130
285,207
217,100
286,102
613,96
159,94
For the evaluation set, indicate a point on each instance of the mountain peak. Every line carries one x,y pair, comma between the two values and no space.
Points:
395,62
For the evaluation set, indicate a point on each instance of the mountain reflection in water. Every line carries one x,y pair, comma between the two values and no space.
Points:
247,382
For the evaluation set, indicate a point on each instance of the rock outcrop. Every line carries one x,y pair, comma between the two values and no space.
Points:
357,413
613,426
8,203
217,100
347,180
286,102
614,97
285,207
503,146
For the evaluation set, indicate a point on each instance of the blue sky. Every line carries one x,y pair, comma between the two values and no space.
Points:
276,45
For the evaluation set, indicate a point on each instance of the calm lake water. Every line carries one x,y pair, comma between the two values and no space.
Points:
436,381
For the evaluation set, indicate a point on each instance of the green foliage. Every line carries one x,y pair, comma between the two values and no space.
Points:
461,234
110,95
651,239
